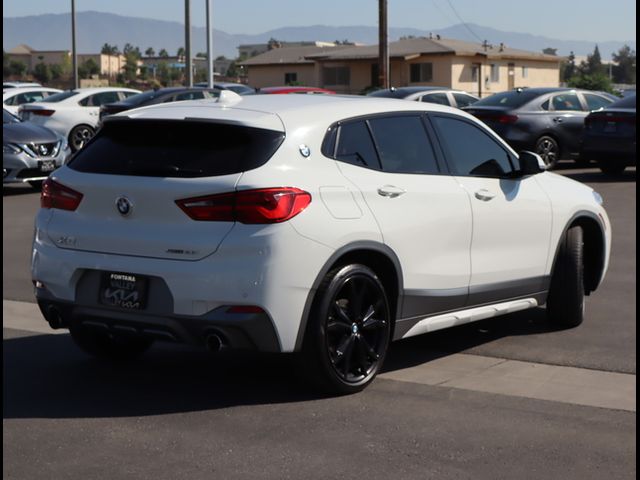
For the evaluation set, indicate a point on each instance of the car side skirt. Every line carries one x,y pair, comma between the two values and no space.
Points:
411,327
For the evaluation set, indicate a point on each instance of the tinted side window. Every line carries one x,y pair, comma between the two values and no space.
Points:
355,145
596,102
471,151
403,145
566,101
439,98
464,100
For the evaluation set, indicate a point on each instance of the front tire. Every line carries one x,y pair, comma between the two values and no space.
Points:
106,346
549,150
566,304
79,136
612,167
348,332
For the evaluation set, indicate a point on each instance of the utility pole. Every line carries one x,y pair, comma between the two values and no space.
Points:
187,42
383,47
209,47
74,53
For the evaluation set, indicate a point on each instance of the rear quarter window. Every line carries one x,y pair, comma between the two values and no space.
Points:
176,148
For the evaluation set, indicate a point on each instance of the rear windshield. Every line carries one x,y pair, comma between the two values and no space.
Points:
139,98
57,97
176,148
626,102
386,94
512,99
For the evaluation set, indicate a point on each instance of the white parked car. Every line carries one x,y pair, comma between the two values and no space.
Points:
13,98
74,114
8,85
321,224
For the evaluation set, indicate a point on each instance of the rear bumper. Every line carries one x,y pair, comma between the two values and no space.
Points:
254,266
253,331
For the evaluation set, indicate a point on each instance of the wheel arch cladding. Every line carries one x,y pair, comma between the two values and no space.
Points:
594,251
379,258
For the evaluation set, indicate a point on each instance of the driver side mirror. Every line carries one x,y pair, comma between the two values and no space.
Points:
530,163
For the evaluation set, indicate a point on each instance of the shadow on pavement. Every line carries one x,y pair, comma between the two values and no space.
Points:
18,189
46,376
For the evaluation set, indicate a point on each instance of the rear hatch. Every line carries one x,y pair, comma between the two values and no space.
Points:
131,174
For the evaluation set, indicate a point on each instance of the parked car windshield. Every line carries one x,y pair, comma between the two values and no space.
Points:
8,118
176,148
57,97
512,99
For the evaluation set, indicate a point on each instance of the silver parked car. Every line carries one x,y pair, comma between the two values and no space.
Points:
30,152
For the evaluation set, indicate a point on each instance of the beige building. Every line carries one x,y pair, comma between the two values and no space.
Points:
478,69
285,66
252,49
110,65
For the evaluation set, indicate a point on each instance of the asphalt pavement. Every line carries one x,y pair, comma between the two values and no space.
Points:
503,398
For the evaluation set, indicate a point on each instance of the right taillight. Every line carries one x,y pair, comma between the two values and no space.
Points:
56,195
260,206
42,113
507,119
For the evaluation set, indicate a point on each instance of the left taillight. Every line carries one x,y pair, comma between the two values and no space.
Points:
260,206
56,195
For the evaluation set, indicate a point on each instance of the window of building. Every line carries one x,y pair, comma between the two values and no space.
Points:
336,75
421,72
475,73
403,145
525,72
355,145
495,72
478,155
290,78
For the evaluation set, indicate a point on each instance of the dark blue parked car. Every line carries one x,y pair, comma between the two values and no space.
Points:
548,121
610,136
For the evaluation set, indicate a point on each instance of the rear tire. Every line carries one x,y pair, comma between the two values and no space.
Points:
79,136
566,304
107,346
348,332
549,150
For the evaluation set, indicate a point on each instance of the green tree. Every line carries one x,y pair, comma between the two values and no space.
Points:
87,68
57,71
150,52
17,68
163,53
180,52
550,51
593,65
624,70
6,69
201,55
597,81
568,68
42,73
108,49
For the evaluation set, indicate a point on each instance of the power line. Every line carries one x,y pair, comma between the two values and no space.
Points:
463,22
444,14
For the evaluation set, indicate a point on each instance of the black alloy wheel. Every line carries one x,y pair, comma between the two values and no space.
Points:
548,148
350,331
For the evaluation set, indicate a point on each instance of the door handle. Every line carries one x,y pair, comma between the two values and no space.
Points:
558,119
390,191
485,195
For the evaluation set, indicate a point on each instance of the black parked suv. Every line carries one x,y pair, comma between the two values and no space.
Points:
548,121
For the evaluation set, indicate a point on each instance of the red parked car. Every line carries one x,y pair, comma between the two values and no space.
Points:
307,90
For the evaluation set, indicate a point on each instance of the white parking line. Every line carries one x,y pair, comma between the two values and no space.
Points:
578,386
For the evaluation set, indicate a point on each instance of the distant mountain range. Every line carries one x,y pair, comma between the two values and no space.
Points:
52,32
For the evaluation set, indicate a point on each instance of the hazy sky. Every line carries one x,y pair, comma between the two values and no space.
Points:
593,20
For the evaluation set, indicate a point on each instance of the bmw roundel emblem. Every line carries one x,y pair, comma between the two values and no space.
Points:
124,206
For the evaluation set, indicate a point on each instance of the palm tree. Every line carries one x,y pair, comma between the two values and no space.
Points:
163,53
150,52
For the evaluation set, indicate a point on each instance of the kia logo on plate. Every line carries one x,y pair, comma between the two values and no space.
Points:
124,206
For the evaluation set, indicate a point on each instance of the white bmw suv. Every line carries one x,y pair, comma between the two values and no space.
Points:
324,225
